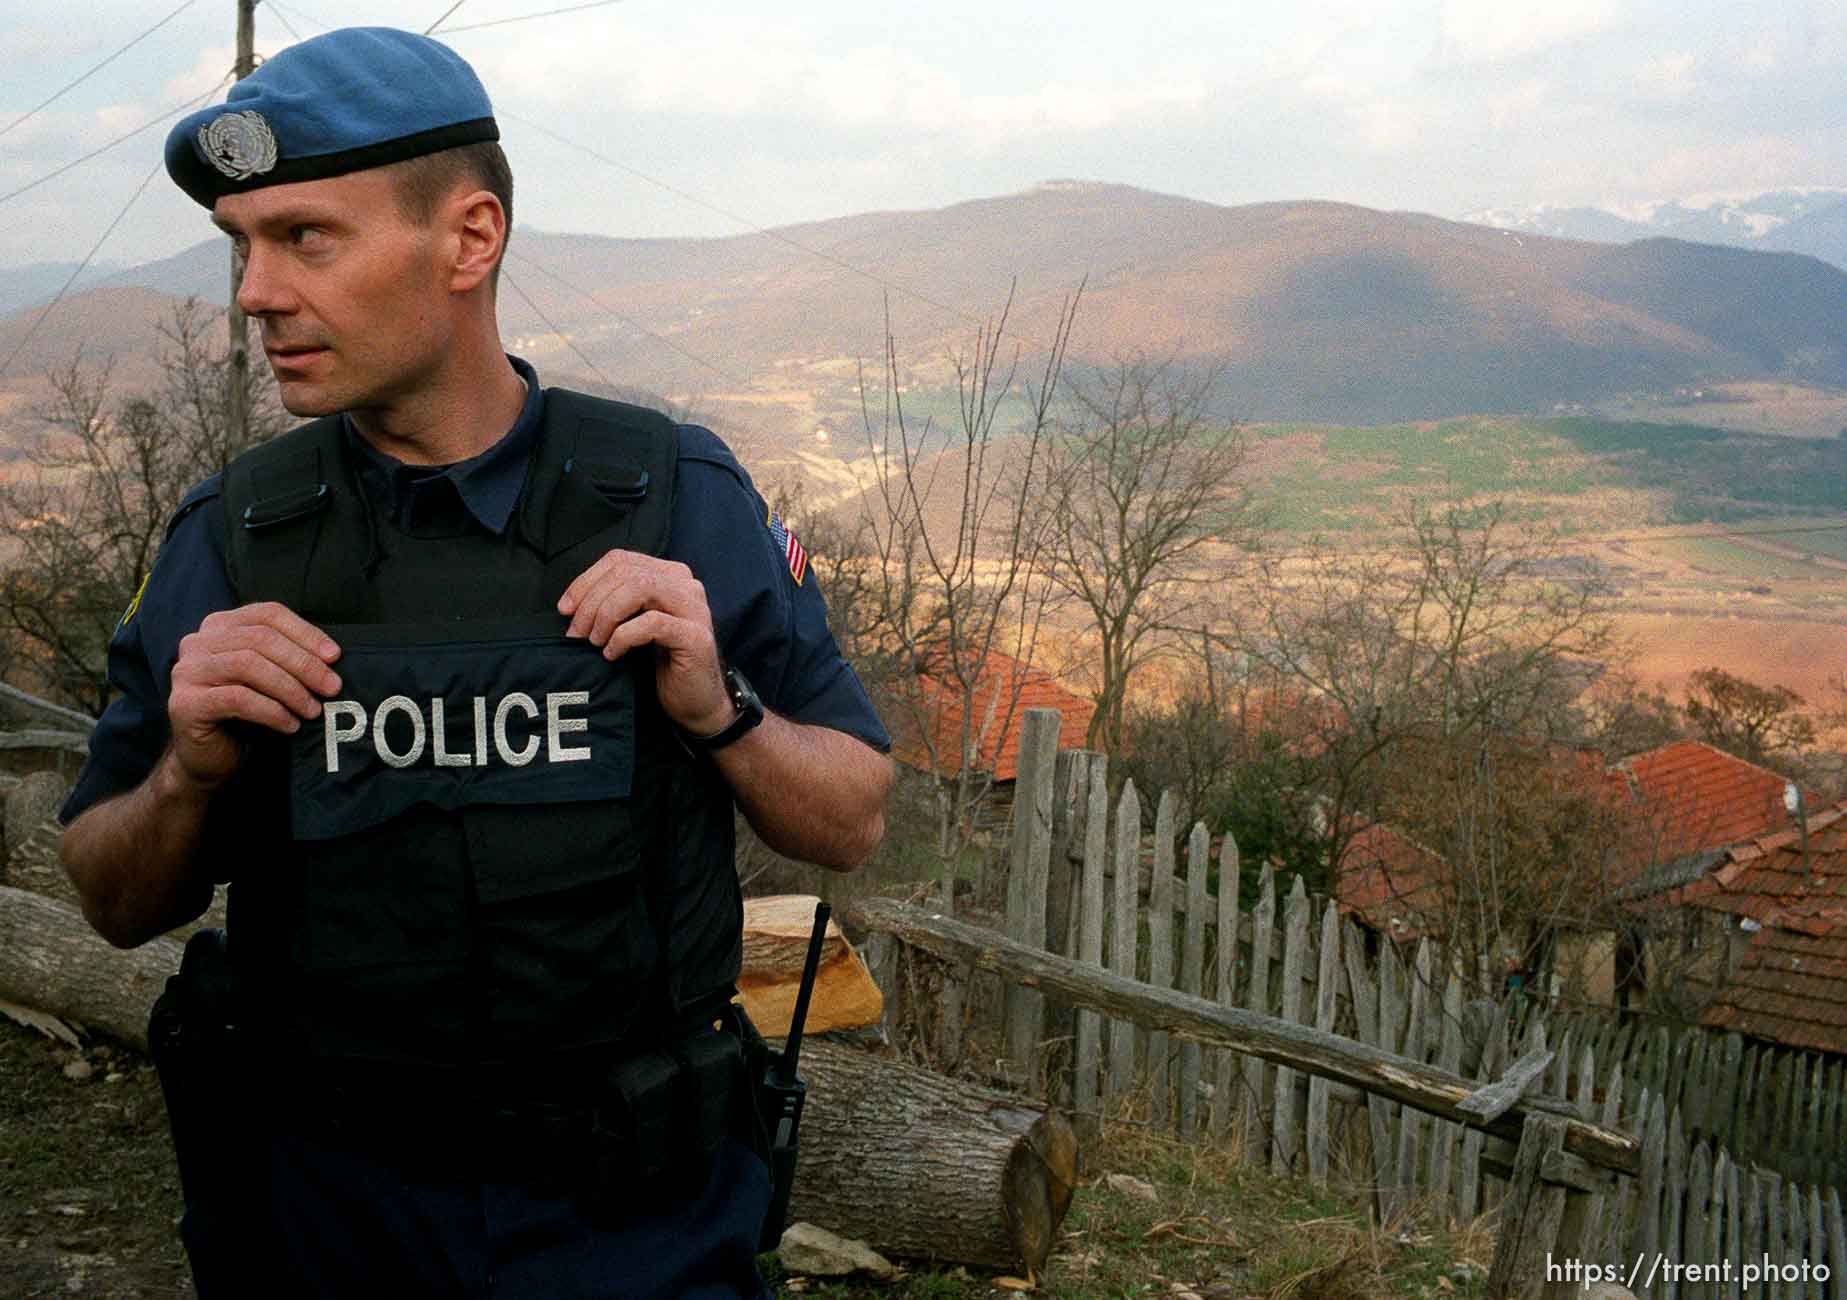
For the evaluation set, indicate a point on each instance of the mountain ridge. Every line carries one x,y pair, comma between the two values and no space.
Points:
1315,310
1808,219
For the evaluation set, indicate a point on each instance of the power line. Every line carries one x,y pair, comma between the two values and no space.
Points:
752,226
81,267
631,322
98,68
566,339
313,22
78,162
439,22
287,26
502,22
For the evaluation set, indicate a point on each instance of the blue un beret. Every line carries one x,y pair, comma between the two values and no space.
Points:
351,99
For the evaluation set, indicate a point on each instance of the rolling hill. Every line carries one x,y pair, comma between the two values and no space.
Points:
1318,311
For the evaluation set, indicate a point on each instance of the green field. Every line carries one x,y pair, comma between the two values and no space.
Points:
1728,559
1677,473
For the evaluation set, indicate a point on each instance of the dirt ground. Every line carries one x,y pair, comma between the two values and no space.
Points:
89,1195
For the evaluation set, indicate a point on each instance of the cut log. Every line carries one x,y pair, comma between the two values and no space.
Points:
776,932
924,1167
51,959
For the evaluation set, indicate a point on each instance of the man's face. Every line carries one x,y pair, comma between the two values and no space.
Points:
353,295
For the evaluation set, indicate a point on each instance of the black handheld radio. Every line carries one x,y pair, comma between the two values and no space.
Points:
781,1094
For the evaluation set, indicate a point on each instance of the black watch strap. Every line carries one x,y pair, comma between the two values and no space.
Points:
750,713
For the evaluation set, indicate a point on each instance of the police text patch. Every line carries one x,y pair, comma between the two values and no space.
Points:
513,717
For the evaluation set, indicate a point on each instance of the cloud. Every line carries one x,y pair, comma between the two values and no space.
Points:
210,66
744,69
1498,31
1750,162
1669,78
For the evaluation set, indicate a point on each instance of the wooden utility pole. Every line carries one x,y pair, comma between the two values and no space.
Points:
237,417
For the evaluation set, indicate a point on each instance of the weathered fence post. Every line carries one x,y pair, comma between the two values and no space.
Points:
1070,812
1327,993
1124,932
1285,1153
1227,954
1028,870
1090,937
1193,968
1530,1216
1161,948
1449,1056
1257,998
1411,1123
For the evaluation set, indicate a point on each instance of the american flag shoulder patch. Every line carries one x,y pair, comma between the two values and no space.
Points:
793,553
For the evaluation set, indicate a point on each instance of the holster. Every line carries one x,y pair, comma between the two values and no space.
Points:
195,1036
660,1118
192,1033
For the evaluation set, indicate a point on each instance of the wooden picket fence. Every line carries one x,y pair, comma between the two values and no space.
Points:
1743,1146
1786,1109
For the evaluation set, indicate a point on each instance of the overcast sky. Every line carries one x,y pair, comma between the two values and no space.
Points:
730,115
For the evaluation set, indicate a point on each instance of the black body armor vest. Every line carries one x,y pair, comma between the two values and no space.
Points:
499,850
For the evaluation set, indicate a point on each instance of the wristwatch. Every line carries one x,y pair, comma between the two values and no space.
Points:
750,713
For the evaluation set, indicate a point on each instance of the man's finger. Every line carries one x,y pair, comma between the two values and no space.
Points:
648,627
587,581
284,652
280,617
254,669
234,702
604,609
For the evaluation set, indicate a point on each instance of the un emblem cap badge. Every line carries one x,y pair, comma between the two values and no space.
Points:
240,145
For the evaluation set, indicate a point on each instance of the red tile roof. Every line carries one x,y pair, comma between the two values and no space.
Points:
1786,873
938,707
1693,797
1668,804
1393,883
1791,984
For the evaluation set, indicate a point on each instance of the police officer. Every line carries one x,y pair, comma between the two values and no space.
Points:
456,685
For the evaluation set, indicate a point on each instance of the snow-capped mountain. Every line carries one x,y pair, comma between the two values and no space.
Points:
1808,219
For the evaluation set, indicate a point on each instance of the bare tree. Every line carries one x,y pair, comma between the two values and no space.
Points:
1620,716
955,589
1227,742
99,485
1437,676
1142,477
1760,724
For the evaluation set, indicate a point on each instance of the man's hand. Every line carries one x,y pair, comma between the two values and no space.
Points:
810,792
626,600
261,664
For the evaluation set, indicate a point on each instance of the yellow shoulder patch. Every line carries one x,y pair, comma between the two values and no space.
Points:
134,604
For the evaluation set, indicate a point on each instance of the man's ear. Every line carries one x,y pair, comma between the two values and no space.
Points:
479,225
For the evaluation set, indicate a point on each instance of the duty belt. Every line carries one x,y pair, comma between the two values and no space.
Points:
635,1122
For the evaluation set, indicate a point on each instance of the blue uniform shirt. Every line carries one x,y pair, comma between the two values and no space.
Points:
768,623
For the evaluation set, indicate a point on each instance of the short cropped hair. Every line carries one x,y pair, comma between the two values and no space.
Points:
425,181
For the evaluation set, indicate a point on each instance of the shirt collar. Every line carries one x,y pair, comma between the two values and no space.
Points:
488,484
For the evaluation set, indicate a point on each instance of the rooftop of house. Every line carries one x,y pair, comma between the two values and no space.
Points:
1003,689
1792,872
1790,986
1393,883
1681,806
1691,797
